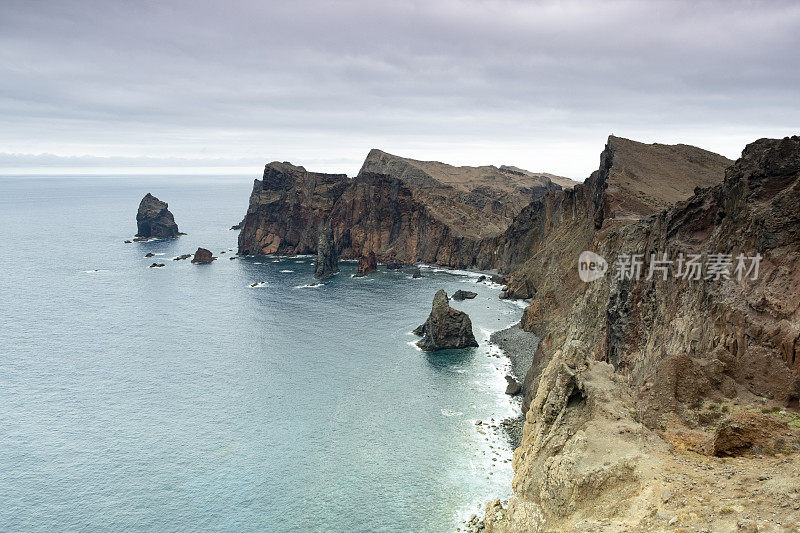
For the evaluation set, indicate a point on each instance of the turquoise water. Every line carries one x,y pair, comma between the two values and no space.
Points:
182,399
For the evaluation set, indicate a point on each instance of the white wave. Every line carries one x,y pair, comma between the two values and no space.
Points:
414,344
95,271
258,284
448,412
256,263
287,271
309,286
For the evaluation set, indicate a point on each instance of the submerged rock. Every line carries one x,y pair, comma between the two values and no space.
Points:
367,264
446,328
203,256
154,220
182,257
157,265
327,263
464,295
417,273
149,254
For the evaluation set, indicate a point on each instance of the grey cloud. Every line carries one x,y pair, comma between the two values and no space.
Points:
537,84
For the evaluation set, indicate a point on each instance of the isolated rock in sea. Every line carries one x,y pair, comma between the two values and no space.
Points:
203,256
417,273
446,328
327,263
464,295
149,254
513,386
367,264
154,220
157,265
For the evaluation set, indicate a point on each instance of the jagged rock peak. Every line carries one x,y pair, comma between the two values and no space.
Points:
154,220
446,328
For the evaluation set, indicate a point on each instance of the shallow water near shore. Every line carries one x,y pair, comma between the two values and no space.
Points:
181,398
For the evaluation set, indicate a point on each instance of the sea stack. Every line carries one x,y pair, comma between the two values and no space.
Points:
446,328
327,263
203,256
154,220
367,264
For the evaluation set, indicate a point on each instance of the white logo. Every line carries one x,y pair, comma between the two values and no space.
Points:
591,266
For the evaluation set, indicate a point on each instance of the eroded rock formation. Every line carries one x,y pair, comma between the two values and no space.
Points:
327,263
154,220
446,328
367,264
203,255
402,210
647,365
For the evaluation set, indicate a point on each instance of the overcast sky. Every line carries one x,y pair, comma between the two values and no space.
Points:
539,85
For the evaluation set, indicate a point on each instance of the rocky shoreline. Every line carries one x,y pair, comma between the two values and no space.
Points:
518,346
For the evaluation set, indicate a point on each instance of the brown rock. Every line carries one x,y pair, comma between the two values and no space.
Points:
446,328
154,220
743,433
203,256
367,264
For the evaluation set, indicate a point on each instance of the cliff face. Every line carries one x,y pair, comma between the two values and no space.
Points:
400,209
286,208
632,369
634,180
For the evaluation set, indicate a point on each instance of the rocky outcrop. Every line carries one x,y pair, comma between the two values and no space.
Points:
286,209
203,256
464,295
446,328
367,264
513,386
645,366
327,263
154,220
400,209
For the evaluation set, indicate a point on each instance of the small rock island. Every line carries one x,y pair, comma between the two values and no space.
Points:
446,328
203,256
154,220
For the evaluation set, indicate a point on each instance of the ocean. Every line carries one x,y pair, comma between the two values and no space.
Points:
183,399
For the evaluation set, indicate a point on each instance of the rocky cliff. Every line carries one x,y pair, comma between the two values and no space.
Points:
640,379
400,209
